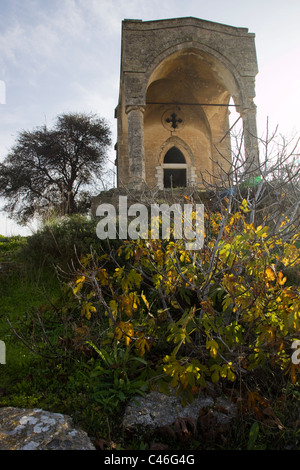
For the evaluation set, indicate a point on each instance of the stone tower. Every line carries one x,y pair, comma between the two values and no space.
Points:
176,82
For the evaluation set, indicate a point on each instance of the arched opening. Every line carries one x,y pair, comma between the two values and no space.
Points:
190,90
174,155
174,169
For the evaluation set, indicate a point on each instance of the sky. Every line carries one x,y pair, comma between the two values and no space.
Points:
60,56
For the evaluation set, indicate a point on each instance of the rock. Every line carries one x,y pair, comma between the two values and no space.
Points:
157,409
36,429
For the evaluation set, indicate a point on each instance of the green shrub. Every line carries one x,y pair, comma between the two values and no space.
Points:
61,241
10,247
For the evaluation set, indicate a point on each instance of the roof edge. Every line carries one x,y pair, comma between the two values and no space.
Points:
185,21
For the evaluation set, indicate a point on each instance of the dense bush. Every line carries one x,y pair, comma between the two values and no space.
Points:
212,314
11,246
61,240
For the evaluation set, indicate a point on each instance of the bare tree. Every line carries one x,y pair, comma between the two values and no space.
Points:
272,189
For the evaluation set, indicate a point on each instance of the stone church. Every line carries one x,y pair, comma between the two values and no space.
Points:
178,79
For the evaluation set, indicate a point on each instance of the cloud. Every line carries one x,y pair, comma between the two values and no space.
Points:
42,36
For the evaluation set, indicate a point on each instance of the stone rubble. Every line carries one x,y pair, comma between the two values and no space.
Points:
36,429
157,409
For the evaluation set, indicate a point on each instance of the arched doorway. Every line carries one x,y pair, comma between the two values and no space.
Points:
175,167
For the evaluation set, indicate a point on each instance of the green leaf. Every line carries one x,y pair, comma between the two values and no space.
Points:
102,353
163,387
253,435
139,359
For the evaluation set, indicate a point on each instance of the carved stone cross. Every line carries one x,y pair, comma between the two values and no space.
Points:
173,119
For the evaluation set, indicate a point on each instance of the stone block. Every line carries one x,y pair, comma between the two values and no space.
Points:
36,429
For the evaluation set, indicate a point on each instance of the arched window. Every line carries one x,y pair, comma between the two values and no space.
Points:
174,169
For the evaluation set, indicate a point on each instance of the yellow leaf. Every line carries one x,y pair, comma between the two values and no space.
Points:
102,276
77,288
291,255
118,333
158,256
280,279
261,231
78,284
87,310
230,375
142,344
270,274
124,330
145,300
90,295
114,308
129,303
244,206
213,346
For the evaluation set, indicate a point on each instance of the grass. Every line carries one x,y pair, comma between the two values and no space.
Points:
59,383
22,288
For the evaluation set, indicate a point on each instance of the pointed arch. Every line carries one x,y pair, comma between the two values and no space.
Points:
175,165
222,65
174,155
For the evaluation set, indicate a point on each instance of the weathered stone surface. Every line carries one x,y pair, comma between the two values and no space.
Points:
36,429
157,409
